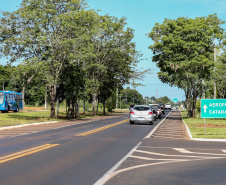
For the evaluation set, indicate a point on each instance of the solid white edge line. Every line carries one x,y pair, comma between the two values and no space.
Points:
156,127
110,172
107,175
188,131
216,140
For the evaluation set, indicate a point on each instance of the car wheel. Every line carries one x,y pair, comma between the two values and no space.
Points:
17,109
7,110
155,119
152,122
160,117
131,122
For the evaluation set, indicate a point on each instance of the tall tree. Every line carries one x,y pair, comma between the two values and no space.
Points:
183,50
34,31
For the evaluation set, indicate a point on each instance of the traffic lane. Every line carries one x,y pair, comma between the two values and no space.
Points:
38,127
81,160
23,142
178,161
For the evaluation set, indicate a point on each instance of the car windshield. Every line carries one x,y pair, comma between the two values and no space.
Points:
140,108
1,98
156,107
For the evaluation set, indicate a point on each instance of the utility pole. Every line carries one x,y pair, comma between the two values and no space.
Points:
46,97
117,98
120,99
156,93
203,92
215,59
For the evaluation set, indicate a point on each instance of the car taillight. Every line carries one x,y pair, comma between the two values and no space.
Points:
159,110
132,113
154,112
150,113
163,107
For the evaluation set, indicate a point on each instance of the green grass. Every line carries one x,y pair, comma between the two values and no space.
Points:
215,128
20,118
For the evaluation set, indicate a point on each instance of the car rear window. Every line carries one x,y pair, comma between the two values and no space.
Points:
141,108
156,107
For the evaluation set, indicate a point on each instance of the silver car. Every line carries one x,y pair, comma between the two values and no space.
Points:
141,114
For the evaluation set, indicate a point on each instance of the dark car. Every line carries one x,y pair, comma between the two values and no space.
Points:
162,107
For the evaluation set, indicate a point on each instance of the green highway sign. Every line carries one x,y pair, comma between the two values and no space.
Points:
175,99
213,108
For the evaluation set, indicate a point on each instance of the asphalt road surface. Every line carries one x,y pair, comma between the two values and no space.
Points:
77,154
110,151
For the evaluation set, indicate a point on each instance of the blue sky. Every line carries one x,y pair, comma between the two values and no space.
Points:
141,16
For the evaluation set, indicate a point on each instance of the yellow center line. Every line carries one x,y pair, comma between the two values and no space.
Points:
25,152
102,128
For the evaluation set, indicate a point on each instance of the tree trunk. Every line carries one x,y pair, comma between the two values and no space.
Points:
104,111
76,108
87,108
194,103
84,105
52,96
97,106
23,91
94,98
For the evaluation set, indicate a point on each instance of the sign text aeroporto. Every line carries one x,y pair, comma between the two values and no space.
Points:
213,108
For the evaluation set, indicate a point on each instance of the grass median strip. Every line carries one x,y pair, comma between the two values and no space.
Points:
26,152
102,128
215,127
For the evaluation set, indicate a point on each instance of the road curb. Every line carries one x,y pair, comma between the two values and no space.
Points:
41,123
156,127
25,125
187,129
201,139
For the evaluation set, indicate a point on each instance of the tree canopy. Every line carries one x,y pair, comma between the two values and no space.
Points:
183,50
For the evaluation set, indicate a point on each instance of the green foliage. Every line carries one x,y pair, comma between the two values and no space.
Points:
183,50
69,49
5,73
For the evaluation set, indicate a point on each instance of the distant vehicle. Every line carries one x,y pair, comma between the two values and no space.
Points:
154,111
141,114
162,107
158,111
168,106
10,101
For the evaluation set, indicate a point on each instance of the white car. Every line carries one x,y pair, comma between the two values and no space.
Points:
141,114
168,106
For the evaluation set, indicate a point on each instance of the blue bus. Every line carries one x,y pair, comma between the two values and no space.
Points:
10,101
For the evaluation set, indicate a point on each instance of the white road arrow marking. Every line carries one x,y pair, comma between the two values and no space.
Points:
205,107
182,150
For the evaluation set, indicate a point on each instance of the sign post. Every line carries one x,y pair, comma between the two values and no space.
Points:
213,108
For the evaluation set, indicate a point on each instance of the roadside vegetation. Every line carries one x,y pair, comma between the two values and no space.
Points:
40,114
191,55
67,52
215,128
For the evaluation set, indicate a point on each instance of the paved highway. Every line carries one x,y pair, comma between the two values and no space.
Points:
110,151
77,154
